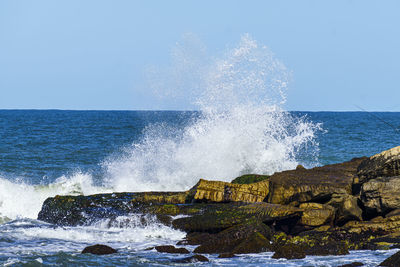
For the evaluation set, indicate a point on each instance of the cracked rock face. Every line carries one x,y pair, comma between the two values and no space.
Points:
381,195
384,164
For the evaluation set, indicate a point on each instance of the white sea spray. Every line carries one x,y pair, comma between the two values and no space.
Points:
241,127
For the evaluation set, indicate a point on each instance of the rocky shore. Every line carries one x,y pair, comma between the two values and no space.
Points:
325,210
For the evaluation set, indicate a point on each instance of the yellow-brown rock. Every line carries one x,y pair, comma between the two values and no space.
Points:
347,208
381,225
217,191
161,197
316,214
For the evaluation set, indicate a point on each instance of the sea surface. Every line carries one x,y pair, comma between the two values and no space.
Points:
48,152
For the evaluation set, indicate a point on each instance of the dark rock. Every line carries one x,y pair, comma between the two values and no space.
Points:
353,264
172,249
236,239
99,250
392,261
347,208
226,255
255,243
192,259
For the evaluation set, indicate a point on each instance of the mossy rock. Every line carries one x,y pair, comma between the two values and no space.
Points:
249,179
236,239
217,217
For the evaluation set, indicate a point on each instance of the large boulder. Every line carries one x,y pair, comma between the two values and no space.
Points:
312,185
384,164
316,214
347,208
381,195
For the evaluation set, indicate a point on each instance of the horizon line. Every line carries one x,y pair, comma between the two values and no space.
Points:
176,110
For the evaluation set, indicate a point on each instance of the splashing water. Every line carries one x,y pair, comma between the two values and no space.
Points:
21,200
241,128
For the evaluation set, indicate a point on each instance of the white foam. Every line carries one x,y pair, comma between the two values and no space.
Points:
136,230
241,128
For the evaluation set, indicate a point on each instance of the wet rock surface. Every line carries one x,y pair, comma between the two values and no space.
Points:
326,210
171,249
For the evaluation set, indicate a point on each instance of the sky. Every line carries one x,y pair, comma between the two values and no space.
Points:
93,54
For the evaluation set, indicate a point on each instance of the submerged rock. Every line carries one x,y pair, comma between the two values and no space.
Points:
192,259
226,255
99,250
353,264
172,249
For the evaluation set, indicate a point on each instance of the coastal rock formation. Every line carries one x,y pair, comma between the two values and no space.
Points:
326,210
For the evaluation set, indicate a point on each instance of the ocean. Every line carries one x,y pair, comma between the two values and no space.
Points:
48,152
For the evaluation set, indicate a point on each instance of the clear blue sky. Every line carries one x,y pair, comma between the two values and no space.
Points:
92,54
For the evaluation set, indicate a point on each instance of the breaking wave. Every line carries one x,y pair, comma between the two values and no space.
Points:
241,127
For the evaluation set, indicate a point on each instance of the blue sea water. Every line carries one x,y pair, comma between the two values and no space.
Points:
49,152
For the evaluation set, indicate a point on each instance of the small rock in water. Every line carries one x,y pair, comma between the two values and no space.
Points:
353,264
99,250
172,249
195,258
392,261
289,252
